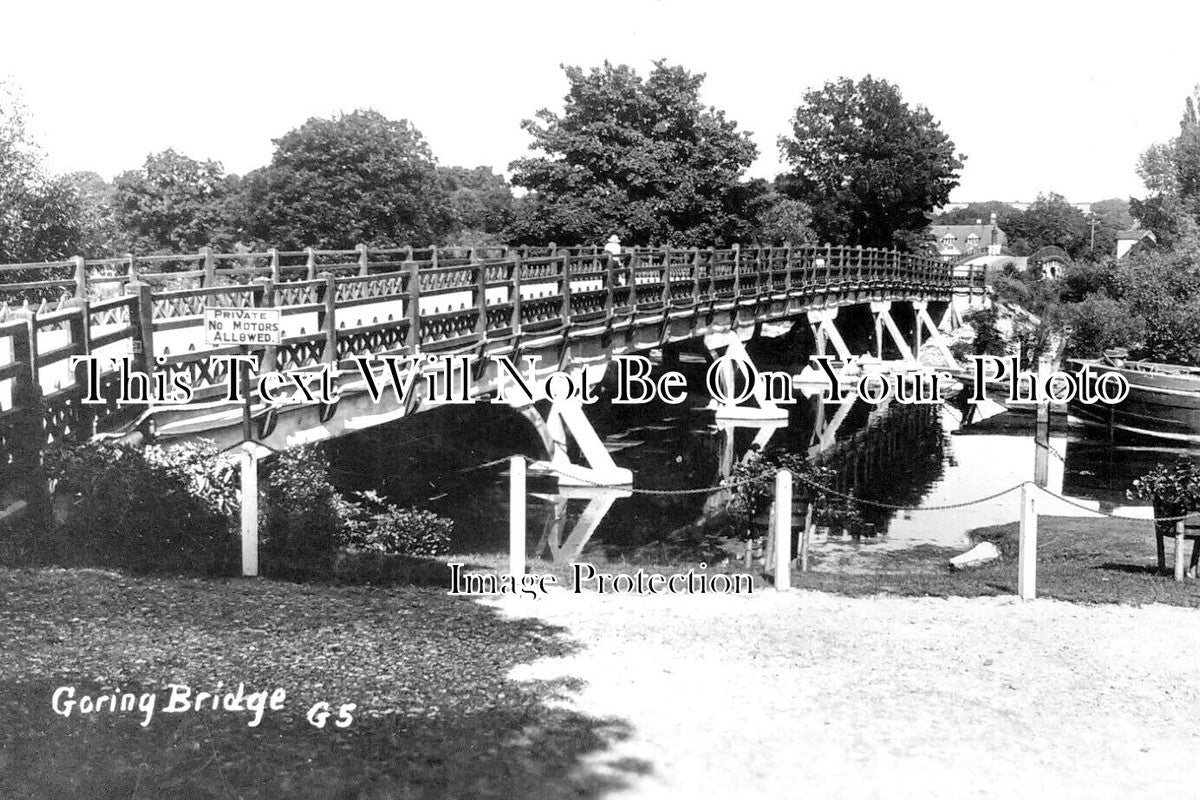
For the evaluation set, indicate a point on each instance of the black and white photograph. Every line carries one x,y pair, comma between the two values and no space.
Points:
630,400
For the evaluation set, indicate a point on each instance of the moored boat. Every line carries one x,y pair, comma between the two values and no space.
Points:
1163,401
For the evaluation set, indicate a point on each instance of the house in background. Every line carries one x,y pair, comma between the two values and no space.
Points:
1051,260
961,240
1127,241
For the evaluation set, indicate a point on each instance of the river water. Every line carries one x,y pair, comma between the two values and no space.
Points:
453,461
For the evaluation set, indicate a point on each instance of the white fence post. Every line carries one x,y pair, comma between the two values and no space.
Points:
249,476
516,516
1027,546
783,530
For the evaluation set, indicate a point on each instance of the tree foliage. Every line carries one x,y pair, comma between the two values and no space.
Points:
1171,173
175,204
358,177
481,205
1148,303
642,158
143,508
972,212
870,166
781,220
1049,221
102,235
40,215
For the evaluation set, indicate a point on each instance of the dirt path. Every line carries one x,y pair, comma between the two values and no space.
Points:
824,696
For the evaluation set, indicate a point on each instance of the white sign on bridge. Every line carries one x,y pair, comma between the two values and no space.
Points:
247,326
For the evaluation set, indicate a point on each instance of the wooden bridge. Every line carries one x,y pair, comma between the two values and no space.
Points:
572,308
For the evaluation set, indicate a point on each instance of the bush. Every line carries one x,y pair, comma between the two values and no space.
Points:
1174,490
383,527
1100,322
307,521
144,509
755,490
1082,280
1033,340
988,341
303,516
1013,291
153,509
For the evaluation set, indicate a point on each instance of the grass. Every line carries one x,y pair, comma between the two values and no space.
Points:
1080,560
436,715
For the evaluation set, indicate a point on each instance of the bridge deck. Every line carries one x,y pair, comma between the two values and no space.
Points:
568,306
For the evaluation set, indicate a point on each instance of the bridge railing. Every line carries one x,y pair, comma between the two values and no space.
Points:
339,304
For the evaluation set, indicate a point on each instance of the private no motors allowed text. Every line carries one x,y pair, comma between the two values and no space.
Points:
447,379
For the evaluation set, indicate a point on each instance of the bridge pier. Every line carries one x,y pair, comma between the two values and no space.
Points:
728,345
716,500
882,309
826,333
947,315
924,320
563,418
599,501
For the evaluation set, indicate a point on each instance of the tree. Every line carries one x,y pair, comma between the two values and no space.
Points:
481,205
977,211
1050,220
40,217
641,158
174,204
871,167
1111,217
1171,173
358,177
783,220
102,237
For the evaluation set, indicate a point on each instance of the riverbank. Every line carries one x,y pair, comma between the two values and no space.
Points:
1095,560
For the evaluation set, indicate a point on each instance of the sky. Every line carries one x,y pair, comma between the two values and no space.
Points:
1039,96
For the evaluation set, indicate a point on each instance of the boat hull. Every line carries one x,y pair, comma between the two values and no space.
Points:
1160,405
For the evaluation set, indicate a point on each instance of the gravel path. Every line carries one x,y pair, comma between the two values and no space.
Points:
817,695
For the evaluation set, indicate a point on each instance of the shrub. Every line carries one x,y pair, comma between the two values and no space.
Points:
1011,290
1033,340
307,521
145,509
303,517
1100,322
754,490
1082,280
1174,490
988,341
383,527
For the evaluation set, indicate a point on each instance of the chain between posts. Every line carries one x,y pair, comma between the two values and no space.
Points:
819,488
876,503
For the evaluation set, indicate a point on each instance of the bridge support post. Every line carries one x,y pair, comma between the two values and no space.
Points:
729,345
249,479
516,517
826,333
951,318
565,417
921,307
599,501
882,309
